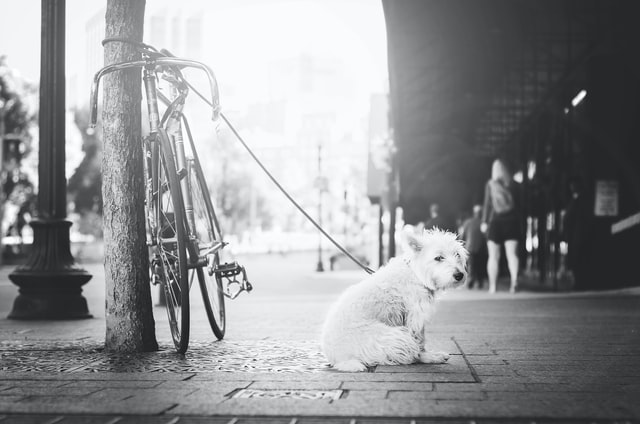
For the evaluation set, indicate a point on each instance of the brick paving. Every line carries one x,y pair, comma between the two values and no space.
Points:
529,357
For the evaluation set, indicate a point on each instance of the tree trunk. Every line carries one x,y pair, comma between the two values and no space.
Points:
129,311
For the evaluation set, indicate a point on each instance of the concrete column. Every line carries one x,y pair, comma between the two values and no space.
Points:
50,281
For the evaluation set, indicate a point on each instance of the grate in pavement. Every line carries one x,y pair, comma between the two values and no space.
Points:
249,356
288,394
231,356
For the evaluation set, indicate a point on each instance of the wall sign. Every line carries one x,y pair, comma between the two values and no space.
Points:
606,199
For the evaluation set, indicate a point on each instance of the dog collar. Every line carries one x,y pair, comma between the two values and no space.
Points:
430,292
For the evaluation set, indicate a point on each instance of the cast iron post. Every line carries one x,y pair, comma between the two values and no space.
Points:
50,281
320,181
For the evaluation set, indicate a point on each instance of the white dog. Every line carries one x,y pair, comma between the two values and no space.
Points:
382,319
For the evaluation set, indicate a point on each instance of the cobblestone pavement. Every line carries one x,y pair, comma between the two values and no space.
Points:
529,357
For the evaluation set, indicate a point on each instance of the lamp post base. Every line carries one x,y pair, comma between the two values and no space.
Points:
35,306
50,281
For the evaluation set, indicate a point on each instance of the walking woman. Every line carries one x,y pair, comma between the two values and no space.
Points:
500,221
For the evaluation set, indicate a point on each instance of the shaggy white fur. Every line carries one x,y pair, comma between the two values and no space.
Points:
382,319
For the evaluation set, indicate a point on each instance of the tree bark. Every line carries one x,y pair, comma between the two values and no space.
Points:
129,311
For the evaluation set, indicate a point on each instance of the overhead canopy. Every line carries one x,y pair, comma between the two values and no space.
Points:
467,77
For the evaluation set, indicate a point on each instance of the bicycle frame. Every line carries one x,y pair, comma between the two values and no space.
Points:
150,66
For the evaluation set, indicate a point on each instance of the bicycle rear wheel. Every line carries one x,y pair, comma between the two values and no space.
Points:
171,245
208,242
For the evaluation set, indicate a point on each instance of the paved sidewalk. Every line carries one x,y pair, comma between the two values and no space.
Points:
540,357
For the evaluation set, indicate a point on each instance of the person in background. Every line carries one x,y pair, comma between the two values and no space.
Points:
573,224
500,222
476,244
438,220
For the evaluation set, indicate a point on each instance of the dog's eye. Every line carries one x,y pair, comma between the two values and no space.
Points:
439,258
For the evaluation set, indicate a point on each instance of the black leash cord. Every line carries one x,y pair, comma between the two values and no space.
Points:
288,196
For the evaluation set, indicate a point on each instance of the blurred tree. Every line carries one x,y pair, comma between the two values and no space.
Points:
84,189
18,101
237,192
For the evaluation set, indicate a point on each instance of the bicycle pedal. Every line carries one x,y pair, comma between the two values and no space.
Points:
229,269
233,286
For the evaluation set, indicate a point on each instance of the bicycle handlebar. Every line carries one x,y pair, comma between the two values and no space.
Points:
154,62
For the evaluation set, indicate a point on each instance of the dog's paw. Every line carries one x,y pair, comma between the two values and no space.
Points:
433,357
351,365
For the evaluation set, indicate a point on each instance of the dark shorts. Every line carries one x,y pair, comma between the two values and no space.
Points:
503,227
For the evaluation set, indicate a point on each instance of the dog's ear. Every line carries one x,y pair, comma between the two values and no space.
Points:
413,241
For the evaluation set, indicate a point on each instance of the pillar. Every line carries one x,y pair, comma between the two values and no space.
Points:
50,281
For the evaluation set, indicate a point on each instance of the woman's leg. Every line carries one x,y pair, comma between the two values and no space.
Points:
472,270
511,250
493,263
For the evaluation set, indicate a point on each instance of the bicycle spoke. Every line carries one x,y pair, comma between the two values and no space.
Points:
190,280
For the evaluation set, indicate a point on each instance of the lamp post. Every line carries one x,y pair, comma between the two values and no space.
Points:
321,183
50,281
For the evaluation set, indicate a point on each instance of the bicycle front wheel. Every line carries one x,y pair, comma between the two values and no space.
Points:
171,245
208,243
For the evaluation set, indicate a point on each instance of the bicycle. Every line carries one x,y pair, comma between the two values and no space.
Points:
183,232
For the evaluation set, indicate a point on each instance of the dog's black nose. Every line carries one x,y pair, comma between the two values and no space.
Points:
458,276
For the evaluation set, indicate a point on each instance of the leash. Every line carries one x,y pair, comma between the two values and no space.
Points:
282,189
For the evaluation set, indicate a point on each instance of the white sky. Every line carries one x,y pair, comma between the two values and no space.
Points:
20,32
360,20
20,36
